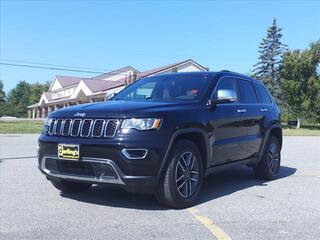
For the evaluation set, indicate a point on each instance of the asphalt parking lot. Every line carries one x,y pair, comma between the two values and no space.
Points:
233,204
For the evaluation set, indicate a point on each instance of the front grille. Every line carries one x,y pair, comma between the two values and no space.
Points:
76,127
84,127
66,127
58,128
98,127
111,127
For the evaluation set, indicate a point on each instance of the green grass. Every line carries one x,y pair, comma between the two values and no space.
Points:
20,126
303,131
35,126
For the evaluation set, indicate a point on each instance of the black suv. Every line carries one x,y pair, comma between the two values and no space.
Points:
164,134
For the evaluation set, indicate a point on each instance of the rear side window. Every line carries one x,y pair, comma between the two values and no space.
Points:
246,92
262,94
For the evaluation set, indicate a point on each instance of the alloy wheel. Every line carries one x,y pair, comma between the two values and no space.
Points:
273,158
187,174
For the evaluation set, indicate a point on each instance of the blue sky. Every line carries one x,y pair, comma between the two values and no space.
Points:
144,34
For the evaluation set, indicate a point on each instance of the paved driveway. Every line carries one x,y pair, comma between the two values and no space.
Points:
233,204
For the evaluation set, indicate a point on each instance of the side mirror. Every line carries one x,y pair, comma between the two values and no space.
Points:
108,97
225,96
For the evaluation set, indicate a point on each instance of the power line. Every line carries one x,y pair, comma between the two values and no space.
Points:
54,65
58,69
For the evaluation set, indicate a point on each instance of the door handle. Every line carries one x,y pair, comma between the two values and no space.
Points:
264,109
242,110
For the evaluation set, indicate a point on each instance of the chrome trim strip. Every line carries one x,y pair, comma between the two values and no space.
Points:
108,162
90,127
126,154
102,128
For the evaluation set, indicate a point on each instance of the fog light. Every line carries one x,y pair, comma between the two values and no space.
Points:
135,153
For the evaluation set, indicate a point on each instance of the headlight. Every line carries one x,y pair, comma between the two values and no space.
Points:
46,125
141,123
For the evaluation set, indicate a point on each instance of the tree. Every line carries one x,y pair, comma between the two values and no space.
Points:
301,81
271,52
2,93
23,95
36,91
19,98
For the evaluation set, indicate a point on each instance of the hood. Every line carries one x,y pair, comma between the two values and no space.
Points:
121,109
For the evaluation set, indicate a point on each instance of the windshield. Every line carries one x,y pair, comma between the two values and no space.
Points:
171,87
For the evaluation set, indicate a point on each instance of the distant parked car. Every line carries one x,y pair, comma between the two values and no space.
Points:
164,135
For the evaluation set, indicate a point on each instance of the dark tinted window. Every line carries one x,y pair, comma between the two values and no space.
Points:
246,92
226,83
262,94
164,88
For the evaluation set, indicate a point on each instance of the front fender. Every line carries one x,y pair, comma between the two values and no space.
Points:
185,131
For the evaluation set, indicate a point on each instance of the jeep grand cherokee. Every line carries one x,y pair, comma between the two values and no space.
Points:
163,135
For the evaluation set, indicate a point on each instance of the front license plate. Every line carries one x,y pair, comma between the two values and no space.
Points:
68,151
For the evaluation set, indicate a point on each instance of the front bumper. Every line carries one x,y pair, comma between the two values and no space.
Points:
104,162
95,171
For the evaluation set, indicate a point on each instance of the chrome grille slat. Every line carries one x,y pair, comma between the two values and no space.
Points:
66,127
51,127
58,126
111,127
96,128
86,128
75,130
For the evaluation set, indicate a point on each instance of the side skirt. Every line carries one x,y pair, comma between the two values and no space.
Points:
217,168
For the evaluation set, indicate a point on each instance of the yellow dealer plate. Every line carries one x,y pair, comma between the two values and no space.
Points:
68,151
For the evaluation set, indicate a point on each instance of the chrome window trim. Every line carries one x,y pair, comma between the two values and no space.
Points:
108,162
125,153
102,128
71,134
90,127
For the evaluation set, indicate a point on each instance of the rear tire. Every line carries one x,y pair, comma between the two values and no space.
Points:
269,165
182,178
70,186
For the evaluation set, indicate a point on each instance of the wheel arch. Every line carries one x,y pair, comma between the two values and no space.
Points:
274,130
198,137
277,132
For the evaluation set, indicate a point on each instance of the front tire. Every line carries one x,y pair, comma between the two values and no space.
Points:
269,165
70,186
181,182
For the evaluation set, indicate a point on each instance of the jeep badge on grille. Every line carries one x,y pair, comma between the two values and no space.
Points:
78,114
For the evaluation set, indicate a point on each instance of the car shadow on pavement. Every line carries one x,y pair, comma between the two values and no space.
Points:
215,186
235,179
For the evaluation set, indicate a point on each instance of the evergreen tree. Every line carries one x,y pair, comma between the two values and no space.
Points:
271,51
